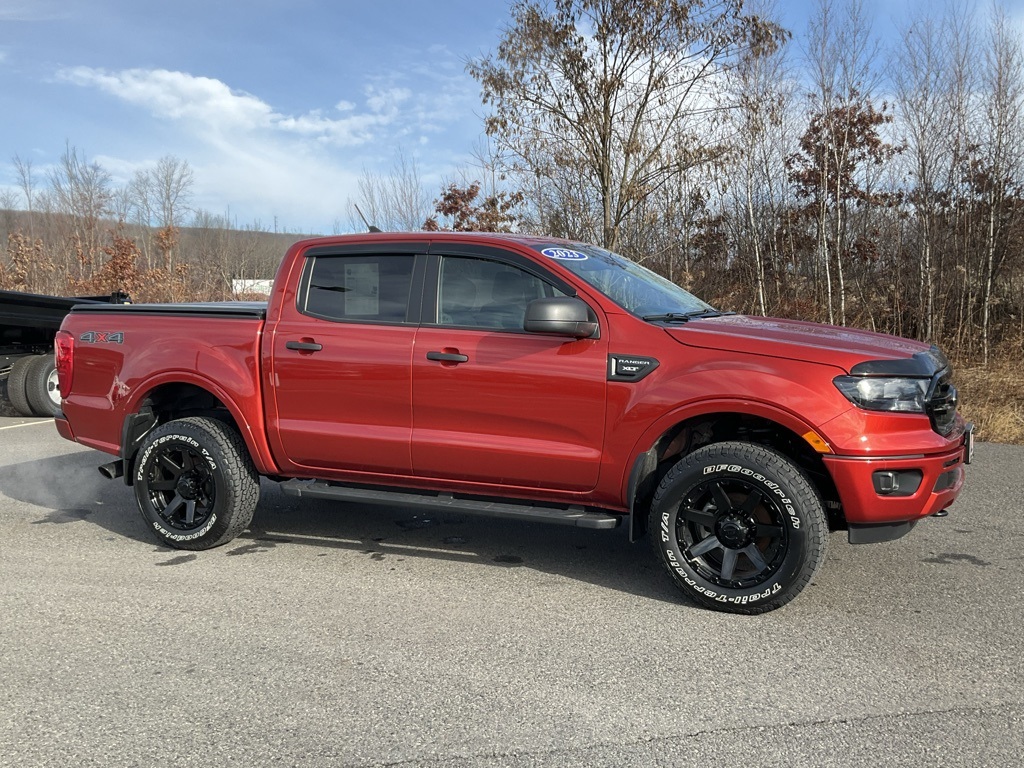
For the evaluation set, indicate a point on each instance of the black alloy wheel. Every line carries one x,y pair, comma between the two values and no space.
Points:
195,483
738,526
731,532
180,487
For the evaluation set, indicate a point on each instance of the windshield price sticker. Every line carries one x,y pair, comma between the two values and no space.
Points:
566,254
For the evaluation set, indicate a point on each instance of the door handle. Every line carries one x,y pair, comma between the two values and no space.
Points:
447,357
304,346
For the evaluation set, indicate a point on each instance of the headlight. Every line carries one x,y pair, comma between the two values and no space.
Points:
878,393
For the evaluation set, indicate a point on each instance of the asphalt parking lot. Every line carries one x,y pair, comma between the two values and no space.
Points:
334,634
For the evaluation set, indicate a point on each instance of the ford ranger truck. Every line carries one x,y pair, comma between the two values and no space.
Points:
527,378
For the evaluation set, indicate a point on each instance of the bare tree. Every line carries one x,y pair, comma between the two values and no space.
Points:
81,191
26,179
397,201
919,69
121,204
161,197
842,138
999,176
763,91
616,91
961,86
172,181
143,197
8,207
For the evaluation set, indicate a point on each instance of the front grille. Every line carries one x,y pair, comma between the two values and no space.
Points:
941,403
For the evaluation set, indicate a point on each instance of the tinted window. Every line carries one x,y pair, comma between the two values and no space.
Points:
487,294
368,288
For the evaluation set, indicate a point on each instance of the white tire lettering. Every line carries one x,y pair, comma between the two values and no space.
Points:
189,536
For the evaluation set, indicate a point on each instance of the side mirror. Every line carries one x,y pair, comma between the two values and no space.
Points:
560,316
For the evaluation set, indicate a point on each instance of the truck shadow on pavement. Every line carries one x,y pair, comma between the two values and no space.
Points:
70,492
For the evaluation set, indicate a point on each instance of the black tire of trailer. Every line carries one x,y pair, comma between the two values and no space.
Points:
195,483
16,392
739,527
41,386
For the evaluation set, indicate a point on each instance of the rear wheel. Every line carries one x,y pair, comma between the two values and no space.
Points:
41,387
739,527
195,483
16,385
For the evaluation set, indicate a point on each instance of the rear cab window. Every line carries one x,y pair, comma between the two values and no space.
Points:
368,288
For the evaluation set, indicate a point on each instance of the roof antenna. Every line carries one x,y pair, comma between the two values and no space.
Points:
369,226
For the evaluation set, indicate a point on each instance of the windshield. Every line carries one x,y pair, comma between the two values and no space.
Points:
634,288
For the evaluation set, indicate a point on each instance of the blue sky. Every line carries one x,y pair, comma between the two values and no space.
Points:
278,105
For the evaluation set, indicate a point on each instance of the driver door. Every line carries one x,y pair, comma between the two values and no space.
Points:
493,403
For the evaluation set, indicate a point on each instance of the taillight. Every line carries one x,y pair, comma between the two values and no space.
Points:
64,355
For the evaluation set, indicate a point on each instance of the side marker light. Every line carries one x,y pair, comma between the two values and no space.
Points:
816,442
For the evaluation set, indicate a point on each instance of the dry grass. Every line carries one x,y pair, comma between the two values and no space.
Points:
993,398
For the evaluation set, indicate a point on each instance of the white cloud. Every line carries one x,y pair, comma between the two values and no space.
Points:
300,168
176,95
214,106
386,100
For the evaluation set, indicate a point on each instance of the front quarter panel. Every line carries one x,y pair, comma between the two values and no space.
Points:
696,382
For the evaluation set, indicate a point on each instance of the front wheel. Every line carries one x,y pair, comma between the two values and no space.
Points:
195,483
739,527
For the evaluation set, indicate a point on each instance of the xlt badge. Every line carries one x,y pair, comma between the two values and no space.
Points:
629,367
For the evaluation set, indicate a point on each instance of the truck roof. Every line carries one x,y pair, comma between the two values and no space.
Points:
383,237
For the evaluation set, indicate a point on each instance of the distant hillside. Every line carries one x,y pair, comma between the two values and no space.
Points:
56,253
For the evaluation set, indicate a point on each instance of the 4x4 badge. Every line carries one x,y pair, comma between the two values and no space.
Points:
102,337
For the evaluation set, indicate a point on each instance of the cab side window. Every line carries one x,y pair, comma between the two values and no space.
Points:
361,288
480,293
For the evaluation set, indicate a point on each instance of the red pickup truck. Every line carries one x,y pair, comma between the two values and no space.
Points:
520,377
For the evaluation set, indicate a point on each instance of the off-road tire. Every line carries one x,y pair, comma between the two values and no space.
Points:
16,392
739,527
41,386
195,483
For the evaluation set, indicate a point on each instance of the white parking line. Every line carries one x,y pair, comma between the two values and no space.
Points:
26,424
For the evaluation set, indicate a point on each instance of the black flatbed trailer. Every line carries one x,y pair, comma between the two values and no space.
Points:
28,324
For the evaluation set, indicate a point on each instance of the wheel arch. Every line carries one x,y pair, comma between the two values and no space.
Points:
174,397
680,433
196,487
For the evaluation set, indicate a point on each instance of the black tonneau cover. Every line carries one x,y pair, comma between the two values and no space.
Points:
253,309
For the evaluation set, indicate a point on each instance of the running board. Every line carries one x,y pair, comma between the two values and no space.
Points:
577,516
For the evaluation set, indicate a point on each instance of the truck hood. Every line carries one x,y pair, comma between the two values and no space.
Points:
794,340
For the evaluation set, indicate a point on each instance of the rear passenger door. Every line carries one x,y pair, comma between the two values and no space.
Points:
491,402
342,361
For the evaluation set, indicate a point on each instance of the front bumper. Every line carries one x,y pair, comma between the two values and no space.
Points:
877,508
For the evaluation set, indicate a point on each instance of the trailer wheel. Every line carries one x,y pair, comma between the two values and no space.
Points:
16,390
195,483
41,388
